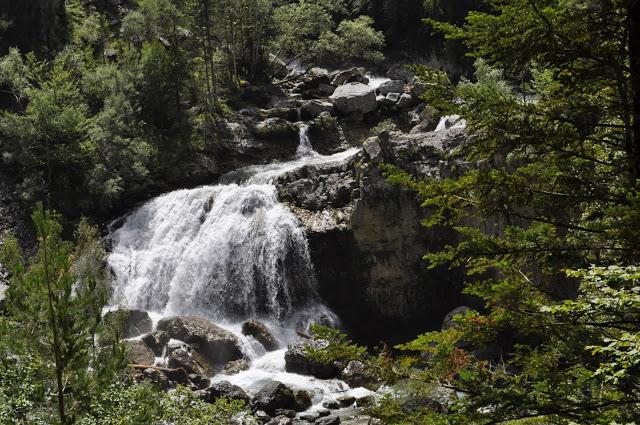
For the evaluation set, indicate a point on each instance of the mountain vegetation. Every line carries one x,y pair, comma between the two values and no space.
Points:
110,102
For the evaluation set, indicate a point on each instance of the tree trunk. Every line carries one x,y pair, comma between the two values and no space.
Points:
633,22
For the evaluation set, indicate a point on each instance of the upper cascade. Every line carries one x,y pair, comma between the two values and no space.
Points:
225,252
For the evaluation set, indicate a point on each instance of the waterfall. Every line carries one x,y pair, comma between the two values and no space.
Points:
226,252
305,149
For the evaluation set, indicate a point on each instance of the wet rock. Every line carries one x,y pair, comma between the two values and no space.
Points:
309,416
223,389
131,323
261,333
331,404
314,108
323,412
303,400
349,76
199,382
405,101
356,375
216,344
391,86
181,358
362,420
326,135
391,99
354,98
286,412
138,353
298,361
329,420
235,367
346,400
280,420
157,378
273,396
262,416
275,129
157,342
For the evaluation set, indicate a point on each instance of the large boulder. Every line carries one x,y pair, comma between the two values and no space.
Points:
354,98
353,75
131,323
298,361
261,333
138,353
314,108
218,345
276,128
223,389
273,396
391,86
157,342
356,374
182,358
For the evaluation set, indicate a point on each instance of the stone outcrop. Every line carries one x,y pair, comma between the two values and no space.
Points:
131,323
298,361
366,239
354,98
273,396
216,344
261,333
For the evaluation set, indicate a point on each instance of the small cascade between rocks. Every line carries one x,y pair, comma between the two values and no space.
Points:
228,253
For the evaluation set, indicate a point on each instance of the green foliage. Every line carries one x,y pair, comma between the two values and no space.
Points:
354,40
338,346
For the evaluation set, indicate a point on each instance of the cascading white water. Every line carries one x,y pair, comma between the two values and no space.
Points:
228,252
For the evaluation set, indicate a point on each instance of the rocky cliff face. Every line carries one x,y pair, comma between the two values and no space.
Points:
366,239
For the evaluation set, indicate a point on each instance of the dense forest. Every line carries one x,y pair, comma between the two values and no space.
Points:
512,127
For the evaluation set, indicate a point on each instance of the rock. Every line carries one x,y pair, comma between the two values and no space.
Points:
275,129
362,420
158,378
380,99
235,367
181,358
261,333
314,108
218,345
329,420
356,375
325,90
224,389
326,135
309,417
346,400
391,86
157,342
297,361
323,412
199,382
449,322
303,400
417,88
131,323
391,99
372,148
365,401
280,420
348,76
354,98
273,396
262,416
331,404
3,290
405,101
139,353
286,412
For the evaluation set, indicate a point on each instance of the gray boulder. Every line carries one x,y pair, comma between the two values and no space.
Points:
356,374
235,367
354,98
349,76
405,101
181,358
273,396
223,389
391,99
276,128
449,321
138,353
314,108
391,86
298,361
329,420
216,344
157,342
261,333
